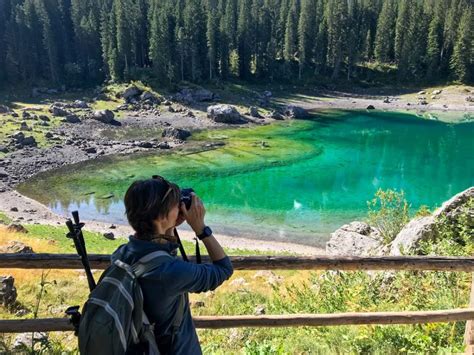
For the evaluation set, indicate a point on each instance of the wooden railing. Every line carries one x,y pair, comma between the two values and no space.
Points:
414,263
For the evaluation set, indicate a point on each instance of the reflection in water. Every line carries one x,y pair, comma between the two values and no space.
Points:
314,176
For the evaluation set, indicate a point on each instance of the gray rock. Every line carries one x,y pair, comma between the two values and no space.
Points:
164,145
276,116
150,97
25,341
176,133
29,141
146,145
25,114
109,236
48,135
224,114
3,149
16,247
131,92
104,116
423,102
253,111
90,150
437,92
453,207
203,95
58,111
296,112
5,109
8,292
16,228
370,107
72,118
355,238
267,93
3,173
44,118
409,238
24,126
422,92
79,104
123,107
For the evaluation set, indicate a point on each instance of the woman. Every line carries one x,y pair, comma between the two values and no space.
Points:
153,209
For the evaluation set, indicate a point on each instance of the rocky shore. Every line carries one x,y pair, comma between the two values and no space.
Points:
139,120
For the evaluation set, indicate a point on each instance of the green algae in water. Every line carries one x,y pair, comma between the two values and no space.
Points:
313,177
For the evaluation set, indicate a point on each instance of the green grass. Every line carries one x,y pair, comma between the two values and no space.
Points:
4,218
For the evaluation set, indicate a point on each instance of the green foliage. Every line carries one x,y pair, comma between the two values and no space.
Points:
462,61
388,212
455,233
83,42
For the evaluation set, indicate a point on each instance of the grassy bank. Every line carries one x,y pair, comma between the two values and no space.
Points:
279,292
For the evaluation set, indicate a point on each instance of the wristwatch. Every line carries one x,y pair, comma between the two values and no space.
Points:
206,232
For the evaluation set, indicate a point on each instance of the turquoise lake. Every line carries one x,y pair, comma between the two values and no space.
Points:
294,182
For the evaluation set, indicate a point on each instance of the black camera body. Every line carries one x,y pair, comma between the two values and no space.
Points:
186,197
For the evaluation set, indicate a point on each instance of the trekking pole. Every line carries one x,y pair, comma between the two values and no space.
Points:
75,233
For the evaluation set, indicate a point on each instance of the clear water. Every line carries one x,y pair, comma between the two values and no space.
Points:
307,180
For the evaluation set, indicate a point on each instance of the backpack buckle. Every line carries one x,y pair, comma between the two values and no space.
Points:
74,317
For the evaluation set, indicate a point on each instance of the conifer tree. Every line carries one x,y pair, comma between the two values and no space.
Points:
385,33
462,60
243,39
306,34
291,32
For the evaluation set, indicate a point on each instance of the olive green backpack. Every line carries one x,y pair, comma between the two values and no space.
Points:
113,318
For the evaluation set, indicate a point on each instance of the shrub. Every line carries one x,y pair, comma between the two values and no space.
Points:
388,212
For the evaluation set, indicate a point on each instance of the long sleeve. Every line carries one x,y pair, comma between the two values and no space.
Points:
183,276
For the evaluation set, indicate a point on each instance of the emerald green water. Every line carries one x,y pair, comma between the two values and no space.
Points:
306,180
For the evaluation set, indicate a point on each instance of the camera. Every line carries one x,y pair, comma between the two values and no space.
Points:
186,197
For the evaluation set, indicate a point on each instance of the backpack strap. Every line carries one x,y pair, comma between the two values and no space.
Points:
178,317
149,262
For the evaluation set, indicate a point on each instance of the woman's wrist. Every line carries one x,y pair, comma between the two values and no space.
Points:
198,229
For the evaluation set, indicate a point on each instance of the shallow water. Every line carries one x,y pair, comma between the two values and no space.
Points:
305,180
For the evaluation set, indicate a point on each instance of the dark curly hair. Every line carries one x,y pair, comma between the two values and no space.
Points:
147,200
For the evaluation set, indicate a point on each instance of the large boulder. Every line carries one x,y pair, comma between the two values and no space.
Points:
188,95
104,116
79,104
224,114
355,238
453,207
29,141
131,92
253,111
8,292
294,111
176,133
57,109
417,230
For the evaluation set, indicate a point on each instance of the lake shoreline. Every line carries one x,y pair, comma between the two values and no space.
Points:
28,162
29,211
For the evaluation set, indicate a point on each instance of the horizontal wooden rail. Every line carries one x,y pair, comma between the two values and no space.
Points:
315,320
417,263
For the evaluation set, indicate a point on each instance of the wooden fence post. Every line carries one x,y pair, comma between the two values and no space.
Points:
469,333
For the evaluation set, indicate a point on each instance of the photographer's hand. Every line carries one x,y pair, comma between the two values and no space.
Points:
195,215
195,218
